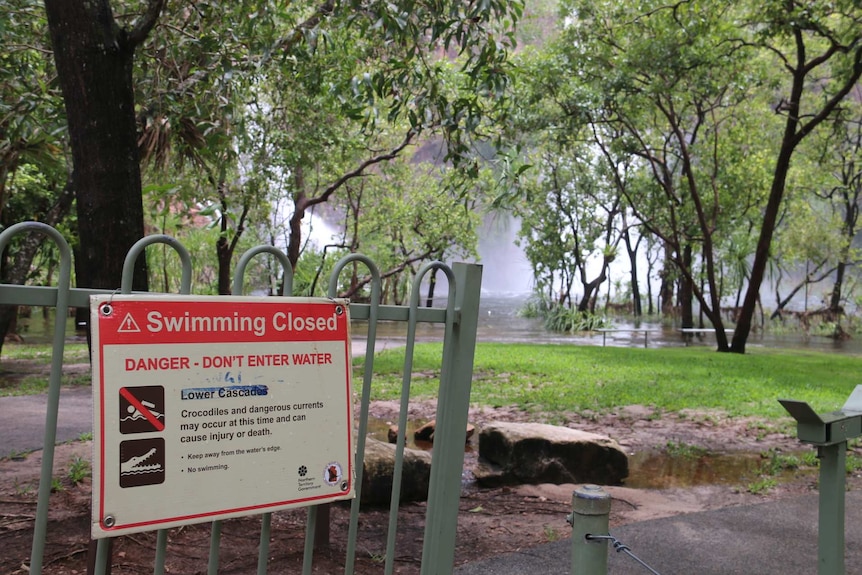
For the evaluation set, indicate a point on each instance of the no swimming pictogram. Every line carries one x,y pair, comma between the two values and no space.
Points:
142,409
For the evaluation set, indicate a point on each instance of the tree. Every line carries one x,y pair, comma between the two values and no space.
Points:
818,47
401,216
94,53
287,102
570,222
843,151
650,80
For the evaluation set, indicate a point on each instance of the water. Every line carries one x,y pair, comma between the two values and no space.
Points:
499,322
662,470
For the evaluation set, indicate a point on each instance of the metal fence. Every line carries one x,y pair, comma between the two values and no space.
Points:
459,320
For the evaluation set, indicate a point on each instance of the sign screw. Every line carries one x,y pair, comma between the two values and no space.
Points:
109,521
339,310
107,310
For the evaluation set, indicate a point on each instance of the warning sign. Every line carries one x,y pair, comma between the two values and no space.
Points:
217,407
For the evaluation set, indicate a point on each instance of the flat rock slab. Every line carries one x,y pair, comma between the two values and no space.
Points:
516,453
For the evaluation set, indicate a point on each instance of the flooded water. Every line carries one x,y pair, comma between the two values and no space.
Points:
500,322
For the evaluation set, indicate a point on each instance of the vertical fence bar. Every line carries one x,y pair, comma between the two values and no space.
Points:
126,288
286,288
61,309
365,398
456,377
394,504
215,542
161,551
263,551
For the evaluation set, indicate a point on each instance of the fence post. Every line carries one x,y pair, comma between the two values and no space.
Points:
591,507
456,377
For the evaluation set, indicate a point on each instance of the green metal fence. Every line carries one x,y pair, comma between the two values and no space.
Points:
459,320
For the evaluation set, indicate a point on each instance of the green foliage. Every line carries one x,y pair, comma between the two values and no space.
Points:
563,319
684,450
79,469
762,485
534,307
41,352
776,462
264,105
57,485
853,463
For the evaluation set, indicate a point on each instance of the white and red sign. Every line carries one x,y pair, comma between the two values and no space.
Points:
216,407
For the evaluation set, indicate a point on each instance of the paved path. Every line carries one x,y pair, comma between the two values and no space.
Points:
22,419
774,538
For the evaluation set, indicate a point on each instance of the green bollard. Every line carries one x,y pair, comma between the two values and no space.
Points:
591,506
829,432
830,534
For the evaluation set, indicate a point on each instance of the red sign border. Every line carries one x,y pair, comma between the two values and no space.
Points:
97,302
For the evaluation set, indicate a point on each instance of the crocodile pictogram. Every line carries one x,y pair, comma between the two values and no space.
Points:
134,464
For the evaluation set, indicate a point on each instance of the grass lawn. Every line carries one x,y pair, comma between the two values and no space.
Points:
559,378
562,378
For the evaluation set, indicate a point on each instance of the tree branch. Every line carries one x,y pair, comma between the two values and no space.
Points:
142,26
360,170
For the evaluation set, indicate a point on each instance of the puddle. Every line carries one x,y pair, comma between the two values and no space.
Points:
379,429
661,470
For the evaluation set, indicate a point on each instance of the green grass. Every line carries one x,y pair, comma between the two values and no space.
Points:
556,378
79,470
17,370
41,352
684,450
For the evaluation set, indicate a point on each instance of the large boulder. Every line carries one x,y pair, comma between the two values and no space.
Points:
515,453
379,469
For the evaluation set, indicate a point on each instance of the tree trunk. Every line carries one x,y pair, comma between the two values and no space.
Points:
686,291
223,254
94,60
835,298
633,262
761,252
665,290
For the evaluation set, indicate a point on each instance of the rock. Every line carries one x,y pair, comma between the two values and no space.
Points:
425,433
380,466
514,453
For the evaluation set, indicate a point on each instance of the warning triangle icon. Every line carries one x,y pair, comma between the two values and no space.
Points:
128,325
